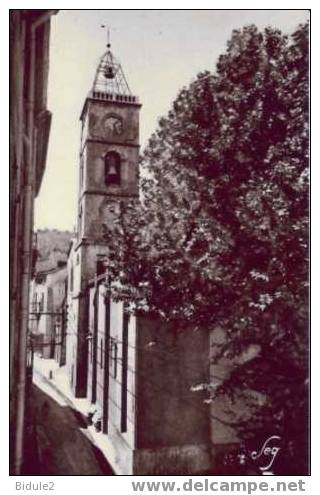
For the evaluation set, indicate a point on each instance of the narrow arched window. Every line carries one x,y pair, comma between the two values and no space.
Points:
112,168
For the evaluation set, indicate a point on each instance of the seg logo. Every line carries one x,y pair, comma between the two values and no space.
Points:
268,452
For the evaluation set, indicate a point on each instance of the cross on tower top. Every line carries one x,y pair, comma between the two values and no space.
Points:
108,35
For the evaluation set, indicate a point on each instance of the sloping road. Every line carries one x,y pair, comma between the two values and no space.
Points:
62,448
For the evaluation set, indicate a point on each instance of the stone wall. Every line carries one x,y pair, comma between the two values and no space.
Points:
166,426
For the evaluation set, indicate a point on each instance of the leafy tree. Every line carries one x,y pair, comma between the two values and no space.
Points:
220,238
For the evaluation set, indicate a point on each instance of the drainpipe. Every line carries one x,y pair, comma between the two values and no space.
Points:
29,189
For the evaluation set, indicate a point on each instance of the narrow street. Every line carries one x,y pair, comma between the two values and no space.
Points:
56,442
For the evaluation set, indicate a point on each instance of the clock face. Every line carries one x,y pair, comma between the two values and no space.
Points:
109,214
113,126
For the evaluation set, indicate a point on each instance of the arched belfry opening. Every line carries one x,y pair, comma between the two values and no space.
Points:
112,168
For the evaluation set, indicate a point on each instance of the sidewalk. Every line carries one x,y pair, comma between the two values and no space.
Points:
53,380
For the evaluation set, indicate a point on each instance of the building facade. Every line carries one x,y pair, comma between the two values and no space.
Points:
48,313
140,379
29,132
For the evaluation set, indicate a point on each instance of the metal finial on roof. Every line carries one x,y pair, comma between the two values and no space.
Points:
108,34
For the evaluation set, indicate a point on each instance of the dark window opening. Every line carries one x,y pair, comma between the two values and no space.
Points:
113,356
71,279
124,381
100,266
115,360
101,353
106,365
112,170
80,222
41,303
81,175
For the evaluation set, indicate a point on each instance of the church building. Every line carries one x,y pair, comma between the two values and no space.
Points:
137,373
108,175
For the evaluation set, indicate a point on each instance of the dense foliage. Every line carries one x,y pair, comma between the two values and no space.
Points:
221,235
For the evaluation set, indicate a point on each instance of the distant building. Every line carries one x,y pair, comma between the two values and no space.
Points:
136,372
48,313
29,132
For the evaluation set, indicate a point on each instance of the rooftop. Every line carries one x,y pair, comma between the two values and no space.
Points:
110,82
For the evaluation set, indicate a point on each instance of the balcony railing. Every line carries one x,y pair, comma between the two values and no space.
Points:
114,97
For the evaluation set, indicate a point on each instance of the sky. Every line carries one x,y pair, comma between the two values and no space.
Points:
160,52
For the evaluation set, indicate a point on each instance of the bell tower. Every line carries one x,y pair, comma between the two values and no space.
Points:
108,175
109,149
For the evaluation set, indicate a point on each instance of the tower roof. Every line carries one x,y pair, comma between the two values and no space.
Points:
110,82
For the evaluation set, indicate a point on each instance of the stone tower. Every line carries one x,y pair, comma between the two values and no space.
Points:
108,175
